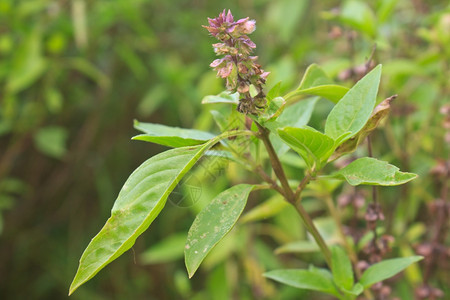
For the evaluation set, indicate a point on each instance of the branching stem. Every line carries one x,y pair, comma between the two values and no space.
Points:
289,194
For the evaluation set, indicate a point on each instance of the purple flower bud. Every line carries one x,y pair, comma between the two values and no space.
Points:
216,63
247,41
247,27
229,17
264,75
242,21
237,47
225,71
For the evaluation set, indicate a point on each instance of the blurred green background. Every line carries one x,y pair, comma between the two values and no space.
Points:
74,75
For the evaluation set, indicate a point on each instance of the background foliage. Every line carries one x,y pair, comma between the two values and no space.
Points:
74,75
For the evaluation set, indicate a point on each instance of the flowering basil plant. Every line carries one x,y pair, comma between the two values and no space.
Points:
270,125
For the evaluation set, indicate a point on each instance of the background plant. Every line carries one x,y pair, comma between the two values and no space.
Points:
49,195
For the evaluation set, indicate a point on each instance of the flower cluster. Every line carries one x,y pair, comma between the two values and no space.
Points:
237,65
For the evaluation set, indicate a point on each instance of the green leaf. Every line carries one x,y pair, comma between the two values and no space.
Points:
298,247
89,70
28,64
312,145
332,92
356,290
359,16
386,269
171,136
316,82
341,268
304,279
298,114
314,76
169,249
274,108
213,223
351,113
295,115
140,201
368,170
51,141
274,92
379,113
265,210
224,97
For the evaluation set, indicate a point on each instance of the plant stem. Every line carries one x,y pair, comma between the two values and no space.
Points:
289,194
275,162
351,253
374,193
252,166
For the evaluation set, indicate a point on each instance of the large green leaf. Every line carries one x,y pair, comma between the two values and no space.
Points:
368,170
351,113
312,145
140,201
170,136
315,82
386,269
304,279
341,268
213,223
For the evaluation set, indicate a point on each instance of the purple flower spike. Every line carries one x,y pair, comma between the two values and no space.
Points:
238,67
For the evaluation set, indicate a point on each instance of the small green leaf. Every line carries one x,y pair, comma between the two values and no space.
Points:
224,97
314,76
167,250
370,171
386,269
274,108
89,70
312,145
315,82
379,113
341,268
304,279
171,136
356,290
359,16
140,201
274,92
213,223
298,247
28,63
267,209
51,141
351,113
